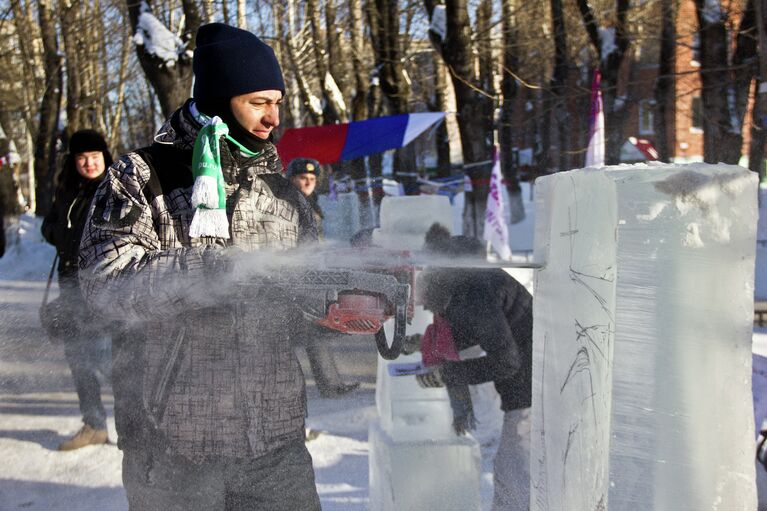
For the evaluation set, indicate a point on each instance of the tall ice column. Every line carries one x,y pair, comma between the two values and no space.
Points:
642,339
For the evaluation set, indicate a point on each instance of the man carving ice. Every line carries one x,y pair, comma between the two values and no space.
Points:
209,396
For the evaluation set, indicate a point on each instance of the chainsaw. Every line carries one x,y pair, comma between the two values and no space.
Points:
354,301
356,291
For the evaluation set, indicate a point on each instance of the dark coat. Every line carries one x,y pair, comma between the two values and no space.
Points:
206,369
491,309
319,216
63,226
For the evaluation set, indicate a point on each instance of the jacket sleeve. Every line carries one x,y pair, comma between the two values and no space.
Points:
48,228
124,271
491,330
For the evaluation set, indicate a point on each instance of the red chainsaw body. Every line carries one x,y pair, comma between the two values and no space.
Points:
359,311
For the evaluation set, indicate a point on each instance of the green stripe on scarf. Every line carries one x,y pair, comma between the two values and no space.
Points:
208,194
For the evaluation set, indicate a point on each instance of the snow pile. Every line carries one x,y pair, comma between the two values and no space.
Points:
157,39
28,256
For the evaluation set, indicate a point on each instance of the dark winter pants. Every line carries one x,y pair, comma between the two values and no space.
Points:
86,356
282,480
88,353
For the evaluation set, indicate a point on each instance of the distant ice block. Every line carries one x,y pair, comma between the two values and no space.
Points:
405,220
342,216
642,339
417,462
408,412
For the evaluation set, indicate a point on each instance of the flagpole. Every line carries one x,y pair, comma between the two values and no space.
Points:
595,152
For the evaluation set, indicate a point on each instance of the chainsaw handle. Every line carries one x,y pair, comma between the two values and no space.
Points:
398,339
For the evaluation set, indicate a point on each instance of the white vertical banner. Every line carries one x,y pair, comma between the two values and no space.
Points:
496,230
595,153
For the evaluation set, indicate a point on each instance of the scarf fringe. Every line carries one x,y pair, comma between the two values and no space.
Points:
205,192
209,222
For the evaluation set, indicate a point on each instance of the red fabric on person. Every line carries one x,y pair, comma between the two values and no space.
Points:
437,344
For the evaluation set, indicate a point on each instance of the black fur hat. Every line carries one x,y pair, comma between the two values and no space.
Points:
84,141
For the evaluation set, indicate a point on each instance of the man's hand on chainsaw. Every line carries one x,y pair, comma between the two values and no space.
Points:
430,380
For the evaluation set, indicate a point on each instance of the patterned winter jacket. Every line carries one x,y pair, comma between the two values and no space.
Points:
202,370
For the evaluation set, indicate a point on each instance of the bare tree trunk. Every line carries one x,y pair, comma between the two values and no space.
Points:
509,93
758,126
337,57
745,62
171,83
117,113
332,112
475,128
26,36
361,78
207,10
242,21
441,138
610,60
45,143
722,139
559,86
69,33
664,84
359,102
315,113
384,18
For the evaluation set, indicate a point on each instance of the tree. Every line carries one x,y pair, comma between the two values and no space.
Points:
168,69
664,84
475,127
45,143
722,89
509,168
611,45
384,22
759,127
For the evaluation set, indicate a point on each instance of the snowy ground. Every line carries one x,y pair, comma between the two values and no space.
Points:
38,406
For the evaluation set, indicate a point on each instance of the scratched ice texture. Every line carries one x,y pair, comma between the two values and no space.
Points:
642,339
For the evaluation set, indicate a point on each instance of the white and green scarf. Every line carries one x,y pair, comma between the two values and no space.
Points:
208,193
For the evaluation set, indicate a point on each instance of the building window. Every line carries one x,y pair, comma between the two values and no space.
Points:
697,114
646,117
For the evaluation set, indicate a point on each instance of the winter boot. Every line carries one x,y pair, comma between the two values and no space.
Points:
86,436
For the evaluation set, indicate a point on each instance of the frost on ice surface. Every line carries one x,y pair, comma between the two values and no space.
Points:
692,239
696,193
655,210
157,39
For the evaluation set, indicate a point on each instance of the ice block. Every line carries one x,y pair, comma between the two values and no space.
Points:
438,475
417,462
405,220
642,339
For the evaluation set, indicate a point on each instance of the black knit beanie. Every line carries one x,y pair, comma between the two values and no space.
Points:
84,141
229,61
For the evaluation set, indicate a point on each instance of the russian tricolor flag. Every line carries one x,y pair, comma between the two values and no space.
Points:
338,142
